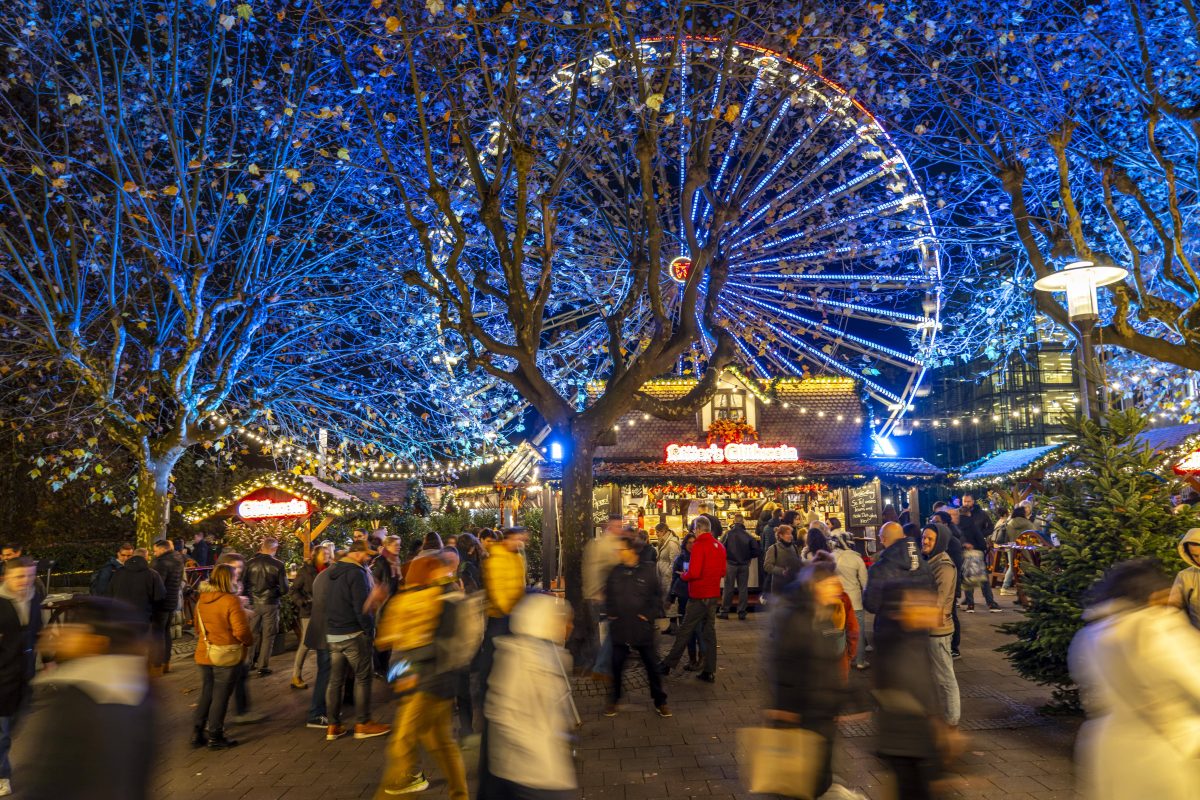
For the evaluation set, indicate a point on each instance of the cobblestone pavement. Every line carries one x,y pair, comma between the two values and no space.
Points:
1013,752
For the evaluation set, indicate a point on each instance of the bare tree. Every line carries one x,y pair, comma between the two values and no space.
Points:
180,233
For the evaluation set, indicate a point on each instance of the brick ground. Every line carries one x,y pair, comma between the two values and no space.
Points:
1013,754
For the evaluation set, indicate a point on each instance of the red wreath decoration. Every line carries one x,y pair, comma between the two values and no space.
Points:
731,431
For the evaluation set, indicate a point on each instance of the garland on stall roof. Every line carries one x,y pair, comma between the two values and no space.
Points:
807,488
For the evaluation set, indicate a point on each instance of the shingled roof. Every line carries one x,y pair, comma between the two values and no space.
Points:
834,472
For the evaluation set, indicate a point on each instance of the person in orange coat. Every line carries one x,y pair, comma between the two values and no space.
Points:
220,620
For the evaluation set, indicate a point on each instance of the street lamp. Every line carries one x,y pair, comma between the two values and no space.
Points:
1080,280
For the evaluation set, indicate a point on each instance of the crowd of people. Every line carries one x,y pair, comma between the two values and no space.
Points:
476,658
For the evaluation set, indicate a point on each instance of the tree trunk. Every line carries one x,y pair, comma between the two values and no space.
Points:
577,530
153,499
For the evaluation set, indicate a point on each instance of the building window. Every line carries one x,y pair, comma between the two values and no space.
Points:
1056,367
729,405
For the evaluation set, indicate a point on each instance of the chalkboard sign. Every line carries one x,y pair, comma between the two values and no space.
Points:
862,506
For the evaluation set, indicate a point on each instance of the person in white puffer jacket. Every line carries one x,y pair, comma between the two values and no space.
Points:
529,709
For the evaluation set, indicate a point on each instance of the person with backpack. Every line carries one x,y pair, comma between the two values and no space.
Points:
741,547
782,559
419,626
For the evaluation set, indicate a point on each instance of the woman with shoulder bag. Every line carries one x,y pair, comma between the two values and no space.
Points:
223,634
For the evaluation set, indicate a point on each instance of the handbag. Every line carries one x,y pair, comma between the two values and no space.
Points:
781,761
221,655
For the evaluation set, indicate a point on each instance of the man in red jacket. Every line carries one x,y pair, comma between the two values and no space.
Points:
703,575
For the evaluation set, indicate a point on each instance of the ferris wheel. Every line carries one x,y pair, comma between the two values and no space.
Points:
832,258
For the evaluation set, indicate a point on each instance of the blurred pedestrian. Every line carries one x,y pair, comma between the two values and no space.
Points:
470,566
852,572
934,541
301,593
221,625
908,722
900,559
409,630
703,577
806,661
679,590
90,732
1135,663
350,630
741,547
504,582
599,557
266,584
103,576
20,624
138,586
169,566
634,601
1185,592
530,713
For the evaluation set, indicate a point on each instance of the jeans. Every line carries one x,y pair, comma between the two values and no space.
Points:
160,628
241,698
701,615
861,656
956,637
603,665
646,653
424,719
986,588
944,678
321,685
301,651
741,574
6,726
264,626
215,688
353,654
693,642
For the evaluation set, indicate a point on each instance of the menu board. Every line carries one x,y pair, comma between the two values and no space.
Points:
862,506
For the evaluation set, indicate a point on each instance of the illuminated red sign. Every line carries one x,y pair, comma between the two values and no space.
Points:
1190,464
732,453
271,509
680,268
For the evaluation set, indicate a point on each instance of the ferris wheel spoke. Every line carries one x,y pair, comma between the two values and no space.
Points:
856,343
824,357
810,236
748,162
837,254
779,164
883,316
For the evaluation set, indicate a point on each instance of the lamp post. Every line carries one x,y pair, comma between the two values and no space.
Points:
1080,280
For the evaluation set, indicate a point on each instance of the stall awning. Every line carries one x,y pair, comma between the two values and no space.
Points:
1011,464
834,472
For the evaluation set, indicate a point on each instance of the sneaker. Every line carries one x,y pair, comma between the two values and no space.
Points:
971,609
5,787
264,672
220,742
870,648
994,608
662,710
691,666
707,677
317,722
298,684
742,615
955,654
417,784
723,615
470,741
839,792
610,710
369,730
863,665
249,718
1006,592
334,732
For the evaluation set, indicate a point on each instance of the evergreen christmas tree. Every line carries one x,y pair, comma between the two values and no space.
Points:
421,505
1113,504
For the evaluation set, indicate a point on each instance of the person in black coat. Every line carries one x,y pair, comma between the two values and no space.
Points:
804,657
634,600
169,566
102,577
901,559
904,688
138,586
741,547
90,731
20,623
265,584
